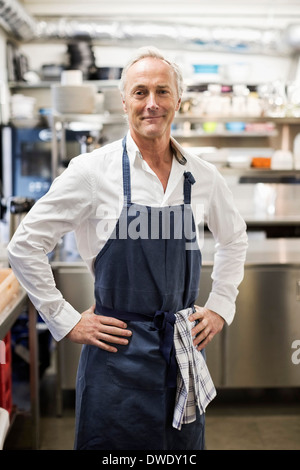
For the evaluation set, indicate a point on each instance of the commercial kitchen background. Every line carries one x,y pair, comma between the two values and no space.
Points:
241,111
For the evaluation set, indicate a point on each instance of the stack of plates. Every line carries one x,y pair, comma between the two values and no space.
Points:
113,101
69,99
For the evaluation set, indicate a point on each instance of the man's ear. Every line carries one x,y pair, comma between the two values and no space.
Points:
178,104
124,106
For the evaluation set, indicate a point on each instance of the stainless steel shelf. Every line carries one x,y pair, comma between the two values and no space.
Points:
105,118
48,83
259,172
199,134
194,118
191,117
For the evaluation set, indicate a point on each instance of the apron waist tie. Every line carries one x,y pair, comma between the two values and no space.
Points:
164,323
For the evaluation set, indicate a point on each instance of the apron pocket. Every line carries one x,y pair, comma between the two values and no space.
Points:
139,365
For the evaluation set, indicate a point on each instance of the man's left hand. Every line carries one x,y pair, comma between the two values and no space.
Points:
209,324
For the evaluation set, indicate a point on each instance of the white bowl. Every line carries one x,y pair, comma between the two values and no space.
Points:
239,161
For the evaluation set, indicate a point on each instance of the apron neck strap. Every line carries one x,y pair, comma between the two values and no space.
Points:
126,175
188,181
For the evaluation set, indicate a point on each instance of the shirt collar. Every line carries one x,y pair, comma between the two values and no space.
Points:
178,151
133,150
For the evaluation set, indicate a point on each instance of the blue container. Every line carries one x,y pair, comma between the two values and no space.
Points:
235,126
206,68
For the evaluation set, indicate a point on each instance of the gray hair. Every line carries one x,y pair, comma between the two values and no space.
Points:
150,51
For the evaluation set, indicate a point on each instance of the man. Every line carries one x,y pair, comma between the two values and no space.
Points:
134,205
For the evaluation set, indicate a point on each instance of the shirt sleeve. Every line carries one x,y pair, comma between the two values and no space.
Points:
67,203
229,231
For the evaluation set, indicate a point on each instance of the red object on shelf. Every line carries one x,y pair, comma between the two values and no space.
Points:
6,374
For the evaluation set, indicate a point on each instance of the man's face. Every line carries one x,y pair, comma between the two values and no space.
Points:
151,98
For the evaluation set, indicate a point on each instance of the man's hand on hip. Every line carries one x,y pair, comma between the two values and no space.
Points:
208,325
99,330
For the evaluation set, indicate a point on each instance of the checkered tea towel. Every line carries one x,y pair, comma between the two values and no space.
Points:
194,383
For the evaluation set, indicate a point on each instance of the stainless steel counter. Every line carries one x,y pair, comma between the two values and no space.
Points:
262,251
255,351
267,203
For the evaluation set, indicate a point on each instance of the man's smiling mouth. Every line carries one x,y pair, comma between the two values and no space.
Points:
151,117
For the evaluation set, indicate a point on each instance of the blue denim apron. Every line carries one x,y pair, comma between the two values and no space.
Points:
147,270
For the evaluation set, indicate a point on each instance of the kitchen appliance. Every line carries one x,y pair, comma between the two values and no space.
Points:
18,208
26,159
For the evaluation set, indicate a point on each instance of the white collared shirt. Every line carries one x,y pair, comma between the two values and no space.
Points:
87,198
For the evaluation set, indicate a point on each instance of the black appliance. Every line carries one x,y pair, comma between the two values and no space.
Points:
26,159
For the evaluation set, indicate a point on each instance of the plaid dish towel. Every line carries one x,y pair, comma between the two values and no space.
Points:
194,383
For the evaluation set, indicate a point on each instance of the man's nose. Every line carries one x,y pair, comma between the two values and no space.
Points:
151,103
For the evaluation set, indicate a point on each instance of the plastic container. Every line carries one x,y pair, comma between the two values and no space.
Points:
206,72
261,162
282,160
210,126
235,126
6,376
206,68
296,152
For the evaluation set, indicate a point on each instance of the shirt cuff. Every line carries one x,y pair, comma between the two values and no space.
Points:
62,322
221,306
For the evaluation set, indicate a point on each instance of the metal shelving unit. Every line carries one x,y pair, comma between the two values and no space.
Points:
61,122
49,83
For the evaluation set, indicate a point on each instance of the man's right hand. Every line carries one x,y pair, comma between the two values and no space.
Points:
99,330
